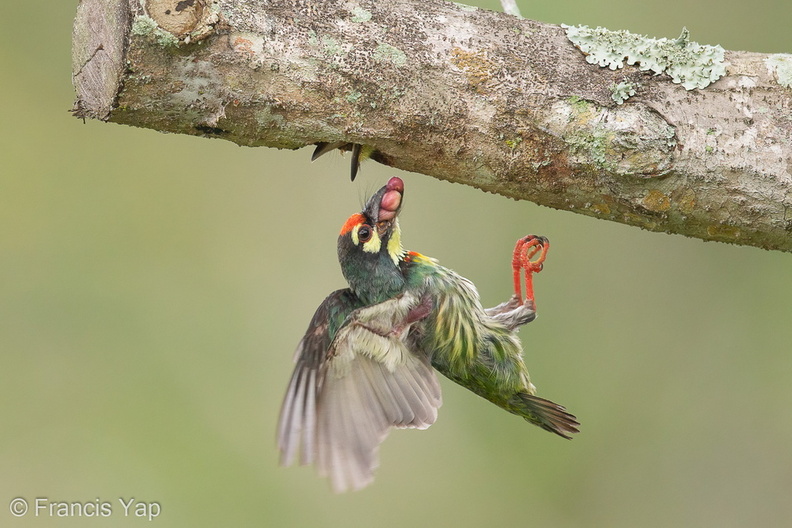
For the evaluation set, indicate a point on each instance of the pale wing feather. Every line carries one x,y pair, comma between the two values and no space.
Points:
359,403
297,423
373,381
291,426
344,397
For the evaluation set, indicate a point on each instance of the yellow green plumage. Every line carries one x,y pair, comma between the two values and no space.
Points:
366,362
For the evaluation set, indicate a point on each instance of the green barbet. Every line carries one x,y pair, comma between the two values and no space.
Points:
366,362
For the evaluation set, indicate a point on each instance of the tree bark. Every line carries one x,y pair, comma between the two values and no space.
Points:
477,97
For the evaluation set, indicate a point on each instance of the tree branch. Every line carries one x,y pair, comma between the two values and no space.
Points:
477,97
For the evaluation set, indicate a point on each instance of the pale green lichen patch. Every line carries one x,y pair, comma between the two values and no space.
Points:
585,137
331,47
326,44
780,65
266,119
360,15
625,140
387,53
688,63
579,105
513,143
622,91
593,146
353,97
145,26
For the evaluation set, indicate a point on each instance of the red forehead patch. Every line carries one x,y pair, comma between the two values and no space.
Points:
351,222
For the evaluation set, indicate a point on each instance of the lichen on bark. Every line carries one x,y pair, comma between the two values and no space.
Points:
490,100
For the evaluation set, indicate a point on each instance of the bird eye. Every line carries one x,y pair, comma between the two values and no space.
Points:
364,233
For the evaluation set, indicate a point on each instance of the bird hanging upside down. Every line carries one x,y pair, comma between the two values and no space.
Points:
365,362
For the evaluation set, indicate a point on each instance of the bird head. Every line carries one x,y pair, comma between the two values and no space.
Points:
369,245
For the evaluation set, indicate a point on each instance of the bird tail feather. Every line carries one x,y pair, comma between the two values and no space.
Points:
548,415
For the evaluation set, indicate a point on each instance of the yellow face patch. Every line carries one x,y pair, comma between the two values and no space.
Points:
395,249
373,245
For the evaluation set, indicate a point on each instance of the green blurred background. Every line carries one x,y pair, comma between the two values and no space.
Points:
153,287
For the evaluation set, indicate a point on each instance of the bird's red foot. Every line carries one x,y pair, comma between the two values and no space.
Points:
525,250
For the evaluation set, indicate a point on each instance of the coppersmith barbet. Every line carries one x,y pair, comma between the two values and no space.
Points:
366,362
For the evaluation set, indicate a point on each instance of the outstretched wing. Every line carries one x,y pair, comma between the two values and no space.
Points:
374,380
297,423
369,380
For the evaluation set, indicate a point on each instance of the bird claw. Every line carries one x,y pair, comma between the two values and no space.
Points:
526,249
